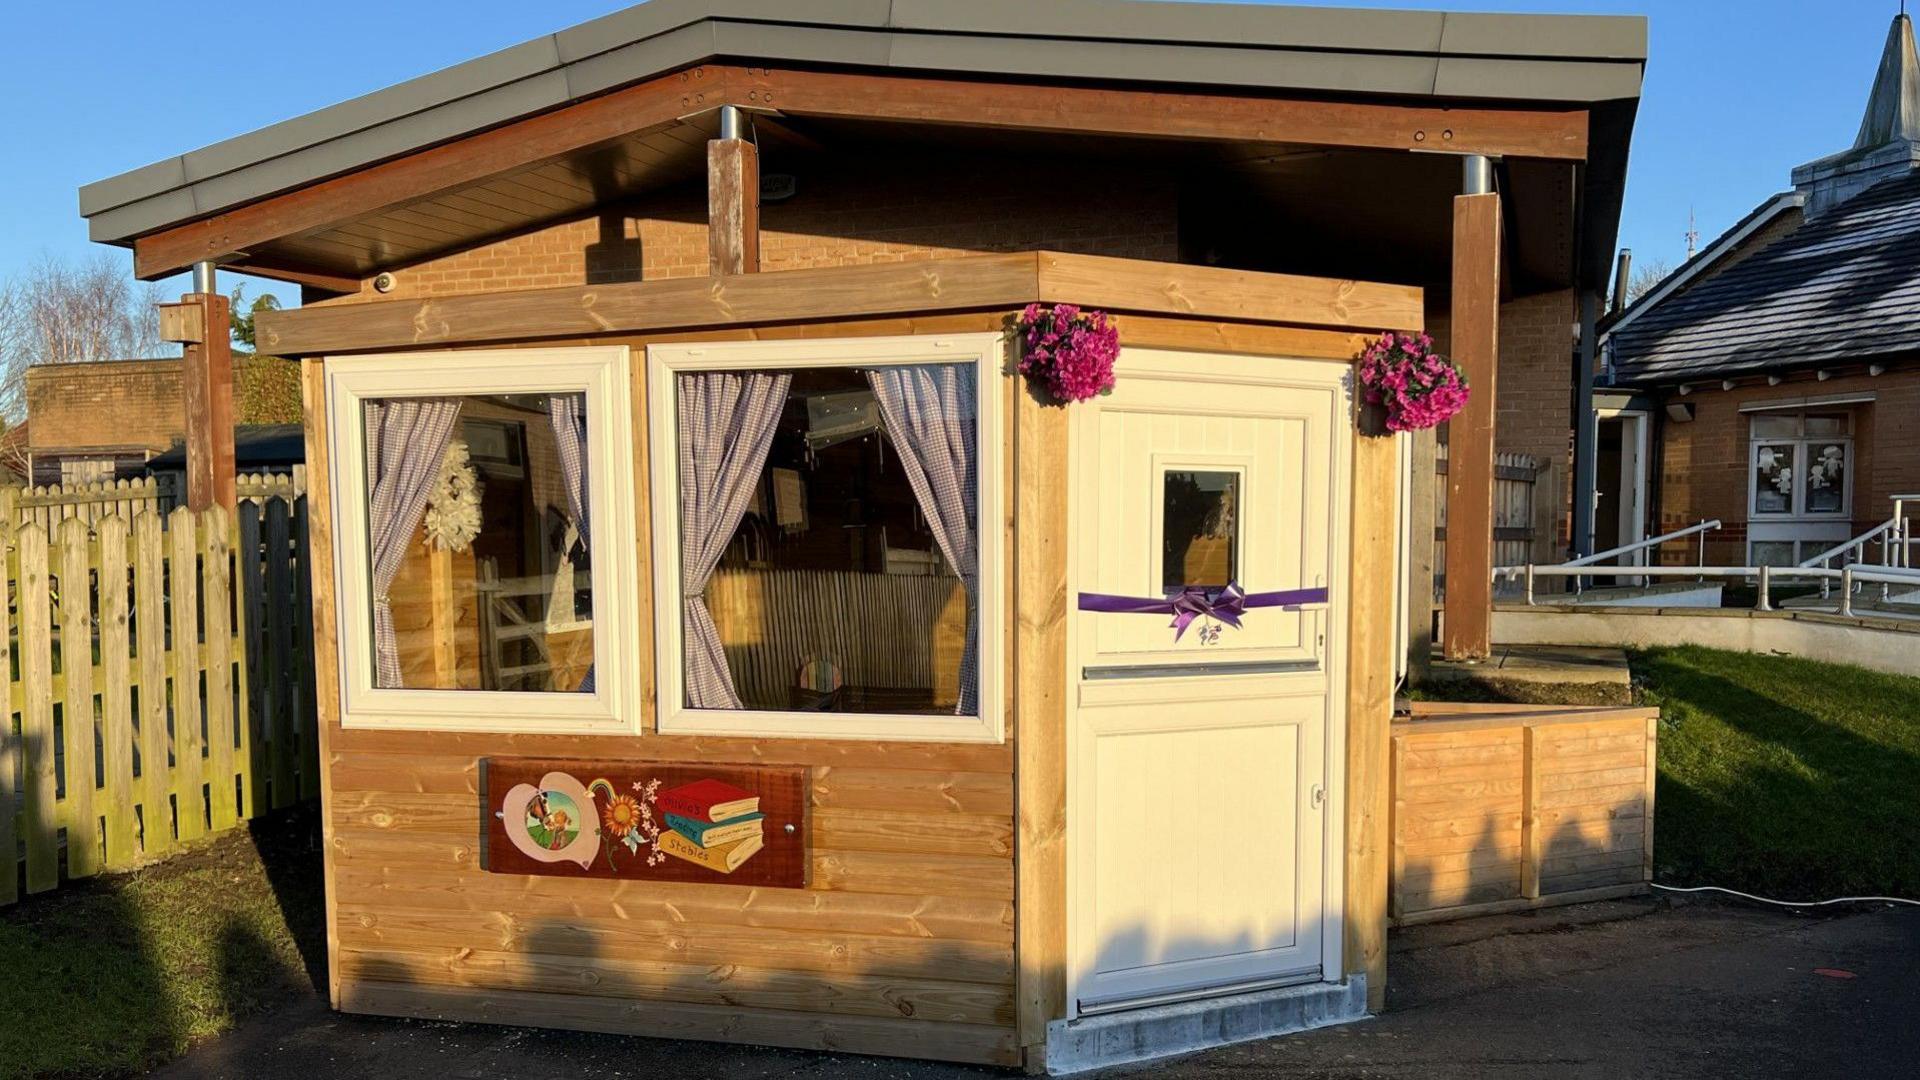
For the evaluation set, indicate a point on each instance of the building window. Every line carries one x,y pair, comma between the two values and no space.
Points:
485,546
1801,465
822,537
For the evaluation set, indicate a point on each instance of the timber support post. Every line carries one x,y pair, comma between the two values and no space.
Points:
733,198
199,325
1468,622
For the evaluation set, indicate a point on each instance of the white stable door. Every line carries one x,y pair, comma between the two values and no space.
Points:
1202,852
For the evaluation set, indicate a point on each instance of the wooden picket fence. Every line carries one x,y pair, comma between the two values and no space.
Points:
49,504
183,644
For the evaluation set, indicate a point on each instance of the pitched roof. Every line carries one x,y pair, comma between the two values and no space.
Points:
1844,286
1438,55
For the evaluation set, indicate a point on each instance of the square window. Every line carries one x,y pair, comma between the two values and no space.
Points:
482,578
484,539
822,508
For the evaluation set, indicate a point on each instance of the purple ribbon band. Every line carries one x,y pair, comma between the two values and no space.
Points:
1226,605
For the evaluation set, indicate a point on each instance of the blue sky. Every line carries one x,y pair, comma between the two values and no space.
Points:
1737,91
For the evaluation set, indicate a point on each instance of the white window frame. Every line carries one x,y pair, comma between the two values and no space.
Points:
603,374
1802,445
987,353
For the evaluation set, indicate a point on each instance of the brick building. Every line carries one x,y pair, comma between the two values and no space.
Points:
1773,383
105,420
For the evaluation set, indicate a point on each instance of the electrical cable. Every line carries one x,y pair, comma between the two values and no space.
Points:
1790,903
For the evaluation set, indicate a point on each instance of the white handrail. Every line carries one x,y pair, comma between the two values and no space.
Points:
1656,541
1844,546
1847,577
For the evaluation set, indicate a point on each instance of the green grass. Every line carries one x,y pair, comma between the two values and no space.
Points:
1784,776
1778,775
113,976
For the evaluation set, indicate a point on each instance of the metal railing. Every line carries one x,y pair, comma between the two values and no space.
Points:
1896,546
1634,570
1850,577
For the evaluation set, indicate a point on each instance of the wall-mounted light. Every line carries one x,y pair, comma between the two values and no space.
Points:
384,282
1680,412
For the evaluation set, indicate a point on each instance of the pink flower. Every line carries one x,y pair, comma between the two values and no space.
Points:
1069,352
1419,388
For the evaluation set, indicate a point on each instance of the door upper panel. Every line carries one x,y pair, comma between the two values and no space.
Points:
1201,470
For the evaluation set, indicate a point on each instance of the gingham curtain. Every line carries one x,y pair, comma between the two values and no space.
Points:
931,416
406,440
726,428
569,415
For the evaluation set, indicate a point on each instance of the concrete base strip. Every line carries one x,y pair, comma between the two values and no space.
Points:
1097,1042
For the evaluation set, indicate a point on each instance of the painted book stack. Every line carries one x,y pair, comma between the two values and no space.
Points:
711,824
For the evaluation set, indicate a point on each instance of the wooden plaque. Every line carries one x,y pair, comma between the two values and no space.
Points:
651,821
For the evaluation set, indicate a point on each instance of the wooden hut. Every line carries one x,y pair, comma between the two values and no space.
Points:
721,638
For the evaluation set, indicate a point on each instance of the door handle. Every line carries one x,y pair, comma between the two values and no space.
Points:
1318,795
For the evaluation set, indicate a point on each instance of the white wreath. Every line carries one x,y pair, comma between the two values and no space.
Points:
453,507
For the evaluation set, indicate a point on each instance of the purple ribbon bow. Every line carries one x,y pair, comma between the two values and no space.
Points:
1226,605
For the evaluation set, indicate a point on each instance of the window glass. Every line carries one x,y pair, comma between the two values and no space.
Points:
1818,424
1826,477
1199,517
1776,425
1773,478
828,531
1773,553
479,542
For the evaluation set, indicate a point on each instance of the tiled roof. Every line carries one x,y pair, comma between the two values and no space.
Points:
1844,286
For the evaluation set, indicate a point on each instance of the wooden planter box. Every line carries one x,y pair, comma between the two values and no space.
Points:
1508,807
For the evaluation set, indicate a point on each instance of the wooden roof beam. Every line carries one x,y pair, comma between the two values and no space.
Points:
1538,133
968,283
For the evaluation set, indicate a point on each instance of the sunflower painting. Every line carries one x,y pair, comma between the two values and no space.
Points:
627,819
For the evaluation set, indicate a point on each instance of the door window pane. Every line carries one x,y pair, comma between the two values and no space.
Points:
1773,478
1776,425
481,573
1826,477
1773,553
1200,512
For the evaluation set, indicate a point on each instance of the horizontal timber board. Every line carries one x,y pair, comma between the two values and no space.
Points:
1581,896
833,787
1545,716
735,985
1505,840
970,282
981,1044
424,748
837,871
440,816
968,918
385,926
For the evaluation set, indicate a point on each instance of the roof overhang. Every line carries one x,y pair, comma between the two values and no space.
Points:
1423,60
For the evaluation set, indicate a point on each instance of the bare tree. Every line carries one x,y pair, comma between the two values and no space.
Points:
66,312
1647,276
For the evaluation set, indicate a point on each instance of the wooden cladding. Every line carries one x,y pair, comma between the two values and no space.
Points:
236,234
1502,808
968,283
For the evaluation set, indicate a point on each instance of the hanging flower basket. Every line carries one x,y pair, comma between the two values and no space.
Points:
1417,387
1067,352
